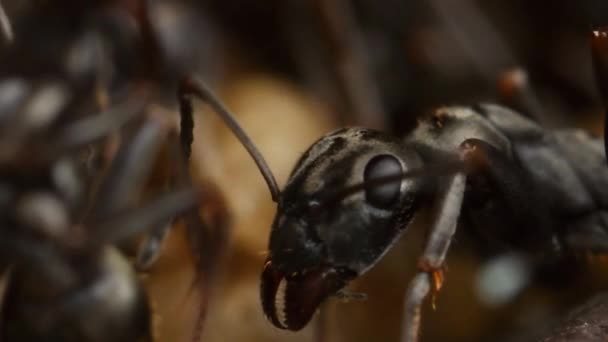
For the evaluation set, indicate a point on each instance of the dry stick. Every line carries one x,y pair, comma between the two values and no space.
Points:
347,44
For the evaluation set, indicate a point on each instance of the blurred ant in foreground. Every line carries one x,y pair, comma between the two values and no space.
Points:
352,194
83,128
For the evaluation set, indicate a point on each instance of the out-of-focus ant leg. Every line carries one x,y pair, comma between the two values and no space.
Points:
515,89
131,166
92,129
5,26
186,113
599,49
208,234
150,248
208,237
146,217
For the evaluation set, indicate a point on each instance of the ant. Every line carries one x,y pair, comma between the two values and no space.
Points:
349,198
72,184
355,191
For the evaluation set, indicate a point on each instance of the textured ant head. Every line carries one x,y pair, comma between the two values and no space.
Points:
321,238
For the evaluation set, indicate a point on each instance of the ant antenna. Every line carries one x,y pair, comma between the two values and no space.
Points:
438,169
5,25
192,85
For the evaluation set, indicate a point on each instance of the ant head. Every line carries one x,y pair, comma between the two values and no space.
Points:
323,237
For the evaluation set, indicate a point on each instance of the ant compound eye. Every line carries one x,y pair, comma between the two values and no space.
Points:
385,195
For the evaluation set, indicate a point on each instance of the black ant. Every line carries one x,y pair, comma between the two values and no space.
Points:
355,191
348,200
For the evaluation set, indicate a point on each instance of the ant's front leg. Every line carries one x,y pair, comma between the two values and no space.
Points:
478,157
150,248
431,262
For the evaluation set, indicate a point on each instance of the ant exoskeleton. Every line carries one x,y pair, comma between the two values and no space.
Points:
352,194
321,191
487,162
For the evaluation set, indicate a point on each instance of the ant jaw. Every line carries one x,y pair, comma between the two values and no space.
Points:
290,300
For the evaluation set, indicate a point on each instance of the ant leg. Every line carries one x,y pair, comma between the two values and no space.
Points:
207,227
186,133
478,157
130,168
417,291
132,222
94,128
431,262
149,250
208,234
514,87
192,86
599,45
5,26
